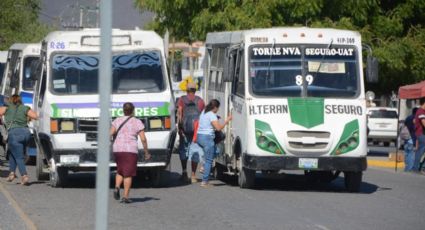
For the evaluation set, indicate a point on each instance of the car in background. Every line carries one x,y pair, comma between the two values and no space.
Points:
382,125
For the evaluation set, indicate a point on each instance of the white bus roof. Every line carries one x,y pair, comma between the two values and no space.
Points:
284,34
89,40
27,48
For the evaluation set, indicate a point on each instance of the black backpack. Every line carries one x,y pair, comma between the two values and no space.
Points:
190,113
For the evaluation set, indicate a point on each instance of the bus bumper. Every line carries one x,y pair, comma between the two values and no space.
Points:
87,158
338,163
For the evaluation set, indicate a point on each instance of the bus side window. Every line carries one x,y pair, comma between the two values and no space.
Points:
240,76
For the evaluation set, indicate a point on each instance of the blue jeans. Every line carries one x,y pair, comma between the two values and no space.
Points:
419,152
17,142
409,155
208,145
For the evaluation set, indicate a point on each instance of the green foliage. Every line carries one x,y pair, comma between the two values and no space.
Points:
19,22
394,29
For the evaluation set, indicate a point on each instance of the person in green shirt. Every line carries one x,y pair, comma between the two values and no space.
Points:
16,117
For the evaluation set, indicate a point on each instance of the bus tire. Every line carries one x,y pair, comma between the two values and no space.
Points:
39,167
58,176
353,181
246,178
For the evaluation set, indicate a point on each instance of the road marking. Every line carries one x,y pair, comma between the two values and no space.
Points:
385,164
28,222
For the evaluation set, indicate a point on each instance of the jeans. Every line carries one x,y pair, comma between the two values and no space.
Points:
208,145
409,155
419,152
17,142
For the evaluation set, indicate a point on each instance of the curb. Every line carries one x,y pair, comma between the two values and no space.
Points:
384,164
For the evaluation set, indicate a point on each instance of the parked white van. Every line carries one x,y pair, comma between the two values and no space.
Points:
67,99
382,124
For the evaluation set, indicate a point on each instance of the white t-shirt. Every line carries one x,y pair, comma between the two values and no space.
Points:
205,126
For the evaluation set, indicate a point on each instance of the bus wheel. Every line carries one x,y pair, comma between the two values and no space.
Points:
353,181
39,167
246,178
58,175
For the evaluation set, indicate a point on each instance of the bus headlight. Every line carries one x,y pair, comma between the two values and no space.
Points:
62,125
155,123
67,126
158,123
266,139
349,139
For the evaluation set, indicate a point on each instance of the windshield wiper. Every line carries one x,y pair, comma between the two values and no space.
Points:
323,57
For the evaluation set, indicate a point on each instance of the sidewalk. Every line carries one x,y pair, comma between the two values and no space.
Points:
383,162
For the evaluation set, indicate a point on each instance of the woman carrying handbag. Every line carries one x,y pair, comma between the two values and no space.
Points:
16,117
125,131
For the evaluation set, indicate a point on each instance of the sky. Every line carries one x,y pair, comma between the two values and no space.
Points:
124,15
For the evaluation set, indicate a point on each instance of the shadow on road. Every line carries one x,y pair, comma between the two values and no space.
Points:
144,199
300,183
142,180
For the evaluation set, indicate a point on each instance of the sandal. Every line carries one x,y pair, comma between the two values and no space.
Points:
11,177
117,193
125,200
25,180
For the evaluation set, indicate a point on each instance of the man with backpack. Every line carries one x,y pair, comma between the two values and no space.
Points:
190,107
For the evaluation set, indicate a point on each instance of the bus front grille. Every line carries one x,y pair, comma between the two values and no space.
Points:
89,127
308,140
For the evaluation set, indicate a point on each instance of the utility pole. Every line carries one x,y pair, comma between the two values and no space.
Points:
103,151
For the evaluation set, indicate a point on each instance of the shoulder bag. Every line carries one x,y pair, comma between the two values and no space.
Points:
114,136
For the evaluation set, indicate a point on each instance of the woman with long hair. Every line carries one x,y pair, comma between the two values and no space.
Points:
16,117
126,129
208,123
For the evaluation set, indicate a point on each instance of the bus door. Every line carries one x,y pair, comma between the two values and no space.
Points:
235,95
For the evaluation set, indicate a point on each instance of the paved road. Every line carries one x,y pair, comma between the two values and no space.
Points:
387,200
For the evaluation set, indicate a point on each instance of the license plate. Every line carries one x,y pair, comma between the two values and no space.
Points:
308,163
69,159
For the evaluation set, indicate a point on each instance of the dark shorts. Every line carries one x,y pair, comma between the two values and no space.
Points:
126,163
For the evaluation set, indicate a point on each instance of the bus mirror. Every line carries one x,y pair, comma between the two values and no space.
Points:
372,70
177,70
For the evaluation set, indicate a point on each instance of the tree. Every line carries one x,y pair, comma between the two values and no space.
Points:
394,29
19,22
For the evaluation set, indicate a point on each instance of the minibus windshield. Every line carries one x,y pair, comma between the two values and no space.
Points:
282,70
132,73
